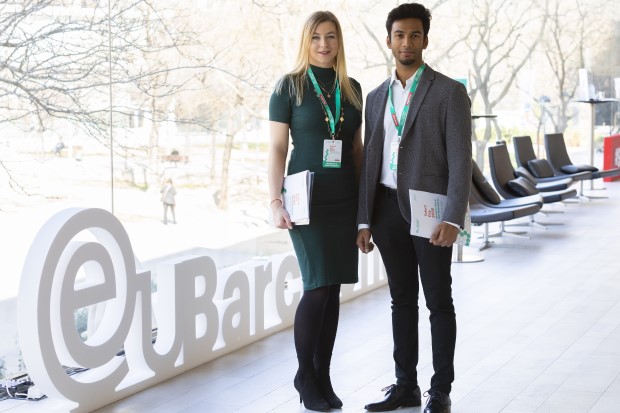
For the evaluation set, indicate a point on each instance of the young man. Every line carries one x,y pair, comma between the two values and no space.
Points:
417,136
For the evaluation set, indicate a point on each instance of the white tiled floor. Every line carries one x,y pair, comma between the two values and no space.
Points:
538,331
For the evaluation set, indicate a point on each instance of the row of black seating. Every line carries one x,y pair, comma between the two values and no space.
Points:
558,164
525,190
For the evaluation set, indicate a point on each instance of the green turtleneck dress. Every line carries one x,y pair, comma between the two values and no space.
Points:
325,248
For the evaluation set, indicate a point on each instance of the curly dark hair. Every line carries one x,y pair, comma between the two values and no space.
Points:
408,11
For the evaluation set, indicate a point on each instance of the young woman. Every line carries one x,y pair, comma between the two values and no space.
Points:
321,108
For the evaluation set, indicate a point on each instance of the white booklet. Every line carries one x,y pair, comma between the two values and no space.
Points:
297,195
427,211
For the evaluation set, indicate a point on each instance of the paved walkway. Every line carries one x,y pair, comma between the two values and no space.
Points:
539,331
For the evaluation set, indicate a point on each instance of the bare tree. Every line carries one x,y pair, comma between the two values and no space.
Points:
239,112
97,66
502,36
564,54
241,100
94,65
372,37
572,26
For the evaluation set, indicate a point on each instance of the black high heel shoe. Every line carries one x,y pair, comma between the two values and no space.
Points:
306,384
325,386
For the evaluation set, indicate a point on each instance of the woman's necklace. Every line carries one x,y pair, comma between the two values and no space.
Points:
339,123
333,123
324,88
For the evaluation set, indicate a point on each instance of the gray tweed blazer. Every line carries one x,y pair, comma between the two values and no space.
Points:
435,152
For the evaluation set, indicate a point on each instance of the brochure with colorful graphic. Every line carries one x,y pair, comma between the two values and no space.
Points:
427,211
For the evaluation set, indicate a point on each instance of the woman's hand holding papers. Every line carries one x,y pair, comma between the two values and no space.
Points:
281,219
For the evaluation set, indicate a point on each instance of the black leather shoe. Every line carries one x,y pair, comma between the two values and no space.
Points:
437,402
396,396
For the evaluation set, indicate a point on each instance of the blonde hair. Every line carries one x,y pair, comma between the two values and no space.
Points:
299,77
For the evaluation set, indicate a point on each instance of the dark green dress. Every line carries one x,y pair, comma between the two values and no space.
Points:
325,248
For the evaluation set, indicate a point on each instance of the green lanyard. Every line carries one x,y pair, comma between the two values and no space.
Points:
319,93
403,116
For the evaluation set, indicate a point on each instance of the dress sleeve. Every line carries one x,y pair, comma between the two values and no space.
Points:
280,104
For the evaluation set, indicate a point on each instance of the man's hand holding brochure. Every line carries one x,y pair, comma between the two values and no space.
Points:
427,210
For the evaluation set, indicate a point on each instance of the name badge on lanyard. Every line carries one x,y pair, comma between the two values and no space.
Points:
399,124
332,153
332,148
394,154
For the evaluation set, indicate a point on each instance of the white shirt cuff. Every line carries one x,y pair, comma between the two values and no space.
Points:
454,225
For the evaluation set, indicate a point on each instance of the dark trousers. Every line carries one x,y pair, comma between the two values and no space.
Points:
402,254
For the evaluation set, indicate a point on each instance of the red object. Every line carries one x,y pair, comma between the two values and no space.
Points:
611,155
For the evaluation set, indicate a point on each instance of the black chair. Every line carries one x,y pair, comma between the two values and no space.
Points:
486,206
493,197
540,170
557,185
503,174
561,163
509,187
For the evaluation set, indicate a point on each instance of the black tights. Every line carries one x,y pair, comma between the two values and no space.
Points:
316,323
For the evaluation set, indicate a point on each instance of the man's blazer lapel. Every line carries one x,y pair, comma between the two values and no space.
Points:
418,98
